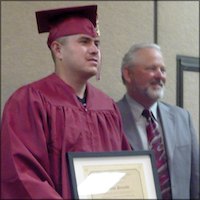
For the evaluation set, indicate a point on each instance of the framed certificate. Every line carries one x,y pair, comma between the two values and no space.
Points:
113,175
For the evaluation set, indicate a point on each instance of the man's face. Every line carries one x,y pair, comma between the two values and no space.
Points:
81,55
147,77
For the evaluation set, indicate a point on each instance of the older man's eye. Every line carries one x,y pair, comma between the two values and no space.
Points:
151,68
163,69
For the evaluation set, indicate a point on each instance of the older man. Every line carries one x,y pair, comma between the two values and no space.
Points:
152,124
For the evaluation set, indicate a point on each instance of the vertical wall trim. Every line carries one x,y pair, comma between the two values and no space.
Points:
155,21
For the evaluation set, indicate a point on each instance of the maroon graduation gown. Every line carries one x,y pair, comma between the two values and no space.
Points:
41,122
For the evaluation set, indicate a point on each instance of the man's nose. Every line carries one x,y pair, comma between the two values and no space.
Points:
160,74
94,48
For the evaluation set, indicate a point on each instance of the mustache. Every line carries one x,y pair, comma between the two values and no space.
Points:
158,82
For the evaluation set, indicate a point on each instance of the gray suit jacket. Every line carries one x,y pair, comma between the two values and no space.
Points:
181,146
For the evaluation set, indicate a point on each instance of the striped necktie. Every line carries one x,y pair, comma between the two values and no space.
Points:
156,144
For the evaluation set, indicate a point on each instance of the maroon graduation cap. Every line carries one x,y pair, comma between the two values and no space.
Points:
67,21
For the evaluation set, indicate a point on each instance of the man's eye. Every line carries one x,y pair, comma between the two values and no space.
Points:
151,68
84,41
163,70
154,68
97,44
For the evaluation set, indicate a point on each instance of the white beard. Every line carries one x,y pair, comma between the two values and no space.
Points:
155,94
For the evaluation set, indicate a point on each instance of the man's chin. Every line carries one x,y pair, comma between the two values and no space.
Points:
156,94
91,74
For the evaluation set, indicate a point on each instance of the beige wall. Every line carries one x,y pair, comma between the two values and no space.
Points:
25,55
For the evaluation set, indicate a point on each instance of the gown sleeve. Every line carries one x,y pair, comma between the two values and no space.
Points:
24,159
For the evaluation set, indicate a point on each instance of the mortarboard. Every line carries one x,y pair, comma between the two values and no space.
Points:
67,21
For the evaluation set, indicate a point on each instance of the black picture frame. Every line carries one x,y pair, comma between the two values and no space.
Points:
184,63
117,168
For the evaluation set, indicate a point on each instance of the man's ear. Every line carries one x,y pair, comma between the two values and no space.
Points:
127,74
56,48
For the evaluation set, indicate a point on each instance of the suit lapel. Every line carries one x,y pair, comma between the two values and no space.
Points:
167,120
129,125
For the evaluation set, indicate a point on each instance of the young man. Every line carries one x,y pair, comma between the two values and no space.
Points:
174,141
61,113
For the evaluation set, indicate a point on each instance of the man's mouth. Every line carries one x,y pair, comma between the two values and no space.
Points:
93,60
159,84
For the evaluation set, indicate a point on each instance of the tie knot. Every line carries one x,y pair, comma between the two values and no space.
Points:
146,113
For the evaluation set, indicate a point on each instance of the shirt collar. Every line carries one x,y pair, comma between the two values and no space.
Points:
153,109
137,108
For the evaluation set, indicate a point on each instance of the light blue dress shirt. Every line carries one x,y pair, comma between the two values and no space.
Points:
141,122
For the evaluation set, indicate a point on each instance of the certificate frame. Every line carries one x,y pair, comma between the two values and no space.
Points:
113,175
